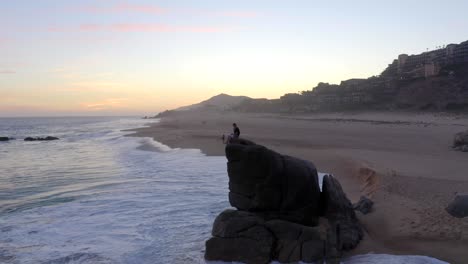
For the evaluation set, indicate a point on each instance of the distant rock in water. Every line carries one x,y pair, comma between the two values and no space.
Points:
459,206
48,138
460,141
279,202
4,138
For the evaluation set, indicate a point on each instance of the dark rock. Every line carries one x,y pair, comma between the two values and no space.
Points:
261,180
459,206
247,237
48,138
460,139
230,222
364,205
4,138
464,148
296,242
240,236
279,204
332,247
339,211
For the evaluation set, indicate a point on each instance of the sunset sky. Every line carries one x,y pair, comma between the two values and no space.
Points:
107,57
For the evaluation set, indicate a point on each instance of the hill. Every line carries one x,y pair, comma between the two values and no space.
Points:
221,102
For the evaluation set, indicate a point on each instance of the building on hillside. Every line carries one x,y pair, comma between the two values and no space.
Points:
429,63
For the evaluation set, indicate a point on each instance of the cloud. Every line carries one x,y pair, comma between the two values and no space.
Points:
131,27
164,28
93,85
154,9
7,72
125,8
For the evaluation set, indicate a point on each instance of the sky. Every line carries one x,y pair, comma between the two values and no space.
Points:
139,57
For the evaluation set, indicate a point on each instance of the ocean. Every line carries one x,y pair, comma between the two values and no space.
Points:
96,196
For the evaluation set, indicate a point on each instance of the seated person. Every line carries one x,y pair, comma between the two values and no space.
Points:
235,134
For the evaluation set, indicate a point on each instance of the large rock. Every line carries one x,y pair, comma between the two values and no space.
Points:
279,202
459,206
296,242
249,238
460,139
48,138
339,211
4,138
281,187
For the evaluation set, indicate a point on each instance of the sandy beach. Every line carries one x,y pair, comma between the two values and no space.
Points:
403,162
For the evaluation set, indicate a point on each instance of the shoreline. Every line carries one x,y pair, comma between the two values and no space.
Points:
403,162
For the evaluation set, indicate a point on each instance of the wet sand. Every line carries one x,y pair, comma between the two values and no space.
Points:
402,161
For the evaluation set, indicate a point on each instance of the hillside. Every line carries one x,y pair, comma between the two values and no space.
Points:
221,102
435,80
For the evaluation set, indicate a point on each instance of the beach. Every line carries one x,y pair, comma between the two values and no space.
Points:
402,161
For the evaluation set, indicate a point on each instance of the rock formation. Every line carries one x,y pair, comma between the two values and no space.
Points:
48,138
279,203
279,186
364,205
460,141
4,138
459,206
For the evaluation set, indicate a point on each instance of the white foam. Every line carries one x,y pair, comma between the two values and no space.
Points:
125,205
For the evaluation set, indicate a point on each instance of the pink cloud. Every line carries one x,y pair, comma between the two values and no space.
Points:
129,27
89,27
153,9
164,28
4,40
125,8
7,72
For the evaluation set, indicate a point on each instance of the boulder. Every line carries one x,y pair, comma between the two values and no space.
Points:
48,138
459,206
249,238
279,203
239,236
339,211
460,139
294,242
261,180
364,205
464,148
4,138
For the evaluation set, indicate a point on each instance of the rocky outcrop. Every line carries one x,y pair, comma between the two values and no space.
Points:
248,237
460,141
364,205
279,186
4,138
340,213
279,204
48,138
459,206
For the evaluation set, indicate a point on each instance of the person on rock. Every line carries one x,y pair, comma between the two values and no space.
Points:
235,133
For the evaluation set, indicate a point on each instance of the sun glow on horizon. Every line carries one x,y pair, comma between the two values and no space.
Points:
116,57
